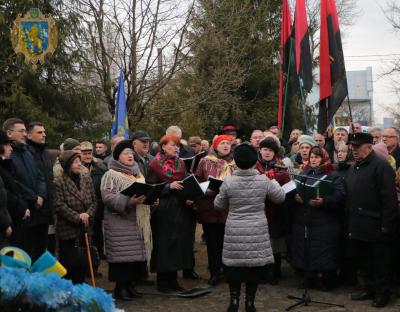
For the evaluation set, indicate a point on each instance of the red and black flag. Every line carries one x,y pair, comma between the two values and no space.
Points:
287,77
333,82
303,52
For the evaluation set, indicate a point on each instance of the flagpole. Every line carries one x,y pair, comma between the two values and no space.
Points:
286,86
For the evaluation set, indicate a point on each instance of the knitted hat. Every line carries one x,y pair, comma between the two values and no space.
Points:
270,143
66,158
4,138
70,143
223,137
306,139
245,156
120,147
86,146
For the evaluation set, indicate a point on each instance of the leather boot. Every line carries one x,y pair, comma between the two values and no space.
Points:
234,289
251,289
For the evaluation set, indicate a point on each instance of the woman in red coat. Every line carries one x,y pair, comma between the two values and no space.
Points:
277,214
218,164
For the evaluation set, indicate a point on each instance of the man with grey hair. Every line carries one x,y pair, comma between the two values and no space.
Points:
376,135
256,137
391,137
185,151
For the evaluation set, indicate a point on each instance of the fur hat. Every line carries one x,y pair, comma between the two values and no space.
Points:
66,158
245,156
270,142
120,147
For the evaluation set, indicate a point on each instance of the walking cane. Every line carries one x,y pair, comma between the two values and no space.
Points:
89,255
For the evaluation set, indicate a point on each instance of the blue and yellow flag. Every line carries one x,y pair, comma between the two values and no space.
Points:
120,121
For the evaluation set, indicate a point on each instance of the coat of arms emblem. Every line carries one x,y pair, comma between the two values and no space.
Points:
35,36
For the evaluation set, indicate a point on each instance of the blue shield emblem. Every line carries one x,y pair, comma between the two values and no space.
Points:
35,36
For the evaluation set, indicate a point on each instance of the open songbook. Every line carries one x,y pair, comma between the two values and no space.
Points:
191,163
311,189
192,189
215,184
151,191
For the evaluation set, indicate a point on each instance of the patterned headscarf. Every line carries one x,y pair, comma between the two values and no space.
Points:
168,169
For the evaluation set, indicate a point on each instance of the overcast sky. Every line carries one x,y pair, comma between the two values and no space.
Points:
372,34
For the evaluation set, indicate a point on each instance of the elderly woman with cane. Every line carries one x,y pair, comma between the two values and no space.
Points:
126,223
75,204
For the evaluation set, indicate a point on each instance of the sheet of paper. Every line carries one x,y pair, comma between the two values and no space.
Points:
204,186
288,187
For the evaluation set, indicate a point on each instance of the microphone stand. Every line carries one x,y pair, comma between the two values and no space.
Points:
305,298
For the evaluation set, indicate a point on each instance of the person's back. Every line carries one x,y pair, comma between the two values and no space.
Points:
247,247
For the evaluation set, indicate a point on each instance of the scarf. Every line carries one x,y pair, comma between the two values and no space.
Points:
168,169
118,178
224,165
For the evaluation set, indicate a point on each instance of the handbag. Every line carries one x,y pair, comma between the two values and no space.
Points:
81,258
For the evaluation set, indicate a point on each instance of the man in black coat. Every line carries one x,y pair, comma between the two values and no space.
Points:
371,206
36,144
34,190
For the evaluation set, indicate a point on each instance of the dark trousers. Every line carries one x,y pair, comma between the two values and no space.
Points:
68,258
375,264
214,235
32,239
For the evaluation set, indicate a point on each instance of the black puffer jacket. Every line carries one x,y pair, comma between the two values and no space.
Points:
16,204
323,226
371,203
5,219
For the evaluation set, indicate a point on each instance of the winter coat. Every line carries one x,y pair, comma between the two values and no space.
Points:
97,171
171,224
205,210
32,182
246,239
277,214
16,204
144,163
323,226
70,202
44,163
371,199
123,240
5,219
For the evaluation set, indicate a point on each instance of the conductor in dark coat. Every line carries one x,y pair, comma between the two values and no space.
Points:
371,206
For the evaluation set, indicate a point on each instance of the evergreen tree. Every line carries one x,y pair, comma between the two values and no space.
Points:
52,94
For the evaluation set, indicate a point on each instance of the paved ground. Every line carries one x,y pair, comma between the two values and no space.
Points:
269,298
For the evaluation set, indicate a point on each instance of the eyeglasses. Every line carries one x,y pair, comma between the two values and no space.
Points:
389,136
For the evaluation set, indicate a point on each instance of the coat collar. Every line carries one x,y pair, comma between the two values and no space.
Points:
246,172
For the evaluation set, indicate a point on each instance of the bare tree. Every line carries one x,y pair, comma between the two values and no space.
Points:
143,38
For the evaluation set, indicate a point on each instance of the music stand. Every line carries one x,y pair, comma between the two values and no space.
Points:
305,298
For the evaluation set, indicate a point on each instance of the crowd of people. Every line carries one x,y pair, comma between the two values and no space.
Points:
347,236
